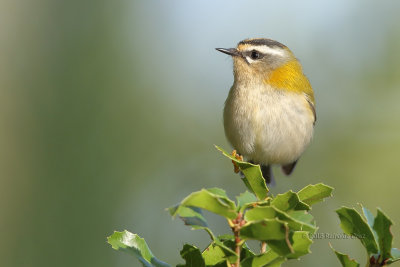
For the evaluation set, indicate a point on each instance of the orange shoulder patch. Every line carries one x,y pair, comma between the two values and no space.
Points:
290,77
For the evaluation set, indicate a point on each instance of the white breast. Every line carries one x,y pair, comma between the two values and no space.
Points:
268,126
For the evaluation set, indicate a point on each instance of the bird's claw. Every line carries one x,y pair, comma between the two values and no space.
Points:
238,157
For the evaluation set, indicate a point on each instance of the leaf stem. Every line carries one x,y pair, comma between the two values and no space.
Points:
237,225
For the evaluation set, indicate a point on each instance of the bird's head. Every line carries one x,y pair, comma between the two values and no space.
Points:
257,59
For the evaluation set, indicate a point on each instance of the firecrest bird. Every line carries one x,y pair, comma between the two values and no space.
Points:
269,114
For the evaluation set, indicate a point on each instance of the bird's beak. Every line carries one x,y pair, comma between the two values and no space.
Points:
229,51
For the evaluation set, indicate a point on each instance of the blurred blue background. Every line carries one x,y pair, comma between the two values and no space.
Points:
109,111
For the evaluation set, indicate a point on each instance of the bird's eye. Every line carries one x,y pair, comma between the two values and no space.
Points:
254,54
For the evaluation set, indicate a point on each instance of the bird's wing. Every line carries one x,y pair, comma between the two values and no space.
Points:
312,107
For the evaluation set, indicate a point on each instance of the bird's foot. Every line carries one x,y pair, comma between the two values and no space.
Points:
238,157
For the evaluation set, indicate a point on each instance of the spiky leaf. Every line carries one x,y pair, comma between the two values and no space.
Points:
136,246
244,199
191,216
213,200
381,226
192,257
345,259
312,194
289,201
273,231
270,212
267,259
221,251
353,224
370,220
253,177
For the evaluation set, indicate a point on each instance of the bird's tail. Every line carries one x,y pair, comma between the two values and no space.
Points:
267,174
288,168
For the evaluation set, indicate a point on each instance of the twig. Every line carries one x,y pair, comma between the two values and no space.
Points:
237,224
237,249
263,247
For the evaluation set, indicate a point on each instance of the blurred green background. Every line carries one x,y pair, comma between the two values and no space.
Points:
109,111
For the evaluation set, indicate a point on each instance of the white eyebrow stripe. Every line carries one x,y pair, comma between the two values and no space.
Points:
268,50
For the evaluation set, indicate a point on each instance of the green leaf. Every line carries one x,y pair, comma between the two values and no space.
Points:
218,191
275,256
289,201
302,216
214,254
301,243
395,255
273,231
192,257
260,213
370,220
213,200
268,212
244,199
260,203
345,259
245,252
312,194
136,246
306,219
253,177
269,258
382,227
264,230
191,216
221,251
353,224
369,216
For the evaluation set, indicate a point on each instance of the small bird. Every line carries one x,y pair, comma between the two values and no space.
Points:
269,114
